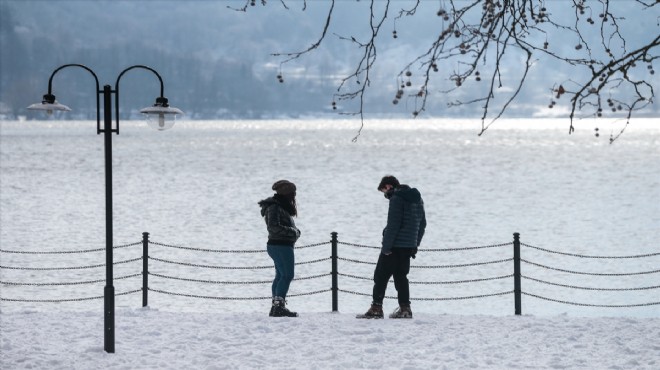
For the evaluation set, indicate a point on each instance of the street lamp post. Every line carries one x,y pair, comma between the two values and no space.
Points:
160,116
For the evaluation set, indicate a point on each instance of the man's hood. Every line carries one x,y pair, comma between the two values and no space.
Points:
409,194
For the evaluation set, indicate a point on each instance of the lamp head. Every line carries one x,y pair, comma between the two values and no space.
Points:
161,116
48,105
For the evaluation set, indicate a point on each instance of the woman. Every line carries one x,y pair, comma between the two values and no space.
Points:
278,212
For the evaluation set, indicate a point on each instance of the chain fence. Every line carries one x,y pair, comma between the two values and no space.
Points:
541,266
64,268
161,259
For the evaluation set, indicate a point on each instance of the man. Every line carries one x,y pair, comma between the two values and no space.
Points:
406,223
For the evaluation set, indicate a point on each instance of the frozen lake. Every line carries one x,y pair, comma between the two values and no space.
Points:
197,185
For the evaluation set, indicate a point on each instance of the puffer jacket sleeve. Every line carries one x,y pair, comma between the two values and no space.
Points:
422,225
394,222
276,227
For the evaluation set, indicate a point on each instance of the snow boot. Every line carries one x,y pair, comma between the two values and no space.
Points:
279,309
272,308
402,312
374,312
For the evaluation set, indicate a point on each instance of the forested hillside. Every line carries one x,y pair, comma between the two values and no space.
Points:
216,62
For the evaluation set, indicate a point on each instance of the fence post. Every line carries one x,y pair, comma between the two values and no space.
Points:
335,288
145,268
516,273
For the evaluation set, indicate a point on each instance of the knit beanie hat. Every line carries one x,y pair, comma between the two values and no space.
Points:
284,187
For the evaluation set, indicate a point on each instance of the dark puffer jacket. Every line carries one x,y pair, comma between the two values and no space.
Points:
406,220
279,223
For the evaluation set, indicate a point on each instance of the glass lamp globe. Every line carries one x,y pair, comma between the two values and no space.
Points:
161,116
49,105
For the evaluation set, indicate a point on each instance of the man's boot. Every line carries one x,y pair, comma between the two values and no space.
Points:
402,312
374,312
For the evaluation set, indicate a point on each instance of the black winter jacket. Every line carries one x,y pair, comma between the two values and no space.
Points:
279,223
406,220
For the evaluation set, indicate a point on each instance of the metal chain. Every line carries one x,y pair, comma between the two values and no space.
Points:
69,252
591,273
434,267
234,298
464,281
65,300
231,282
355,276
433,250
358,245
309,293
312,245
208,266
356,261
230,251
436,282
67,268
313,261
231,267
73,283
209,281
588,288
434,299
126,245
464,265
593,305
465,248
207,250
313,277
587,256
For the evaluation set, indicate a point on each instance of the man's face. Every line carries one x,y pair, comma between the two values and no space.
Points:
385,189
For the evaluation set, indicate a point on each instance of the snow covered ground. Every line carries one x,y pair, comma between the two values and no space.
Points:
570,193
153,339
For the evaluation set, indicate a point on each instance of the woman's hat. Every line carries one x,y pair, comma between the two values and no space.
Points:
284,187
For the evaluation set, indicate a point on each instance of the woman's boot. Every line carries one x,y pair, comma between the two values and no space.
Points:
280,310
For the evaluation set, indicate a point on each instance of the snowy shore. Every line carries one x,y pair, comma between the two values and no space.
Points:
152,339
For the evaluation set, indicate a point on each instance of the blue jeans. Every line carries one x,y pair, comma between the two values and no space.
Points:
284,260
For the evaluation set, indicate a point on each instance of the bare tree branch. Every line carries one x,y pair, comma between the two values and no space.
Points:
480,38
298,54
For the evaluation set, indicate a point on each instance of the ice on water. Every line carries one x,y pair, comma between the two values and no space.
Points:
198,184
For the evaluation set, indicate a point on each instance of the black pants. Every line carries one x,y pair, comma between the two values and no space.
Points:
396,264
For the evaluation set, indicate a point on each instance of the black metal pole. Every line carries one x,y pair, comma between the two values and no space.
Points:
145,269
109,291
335,285
516,273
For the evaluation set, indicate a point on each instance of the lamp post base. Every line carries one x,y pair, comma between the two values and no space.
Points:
109,319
